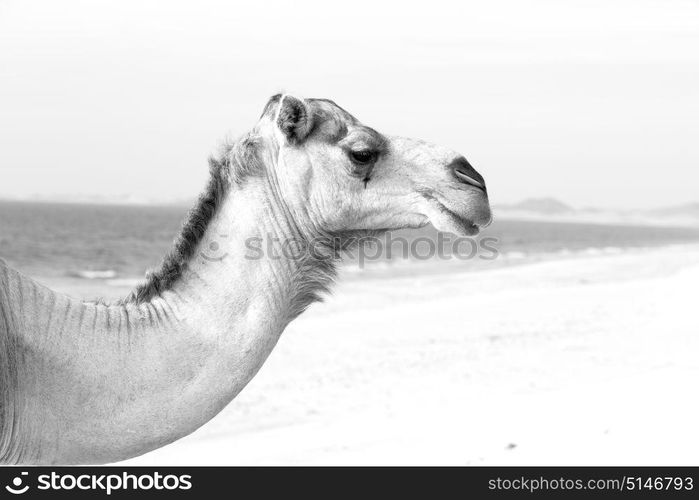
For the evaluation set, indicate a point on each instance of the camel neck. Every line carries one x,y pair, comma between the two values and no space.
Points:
254,257
246,282
152,372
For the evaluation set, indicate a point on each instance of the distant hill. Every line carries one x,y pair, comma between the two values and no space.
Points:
686,215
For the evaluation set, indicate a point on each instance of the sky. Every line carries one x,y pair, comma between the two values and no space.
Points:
595,103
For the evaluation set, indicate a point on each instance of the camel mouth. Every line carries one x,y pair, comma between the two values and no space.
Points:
447,219
464,217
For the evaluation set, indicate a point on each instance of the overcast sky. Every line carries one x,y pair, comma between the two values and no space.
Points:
592,102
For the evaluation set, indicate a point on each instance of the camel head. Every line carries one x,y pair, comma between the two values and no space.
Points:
335,174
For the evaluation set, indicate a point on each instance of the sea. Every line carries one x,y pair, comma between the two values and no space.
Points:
115,243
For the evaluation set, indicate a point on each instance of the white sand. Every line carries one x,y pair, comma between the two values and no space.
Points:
592,360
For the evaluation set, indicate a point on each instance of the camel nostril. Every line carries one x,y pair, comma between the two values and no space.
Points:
465,173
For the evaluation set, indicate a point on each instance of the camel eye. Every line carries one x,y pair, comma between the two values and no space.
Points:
362,157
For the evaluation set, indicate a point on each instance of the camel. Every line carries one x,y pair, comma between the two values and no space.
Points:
92,383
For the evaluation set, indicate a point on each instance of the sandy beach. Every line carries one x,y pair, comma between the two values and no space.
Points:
580,360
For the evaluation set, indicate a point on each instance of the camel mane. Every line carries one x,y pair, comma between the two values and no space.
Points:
236,161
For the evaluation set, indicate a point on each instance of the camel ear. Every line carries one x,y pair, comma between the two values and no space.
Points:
294,118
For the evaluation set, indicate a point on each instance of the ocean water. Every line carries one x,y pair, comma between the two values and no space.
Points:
99,242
